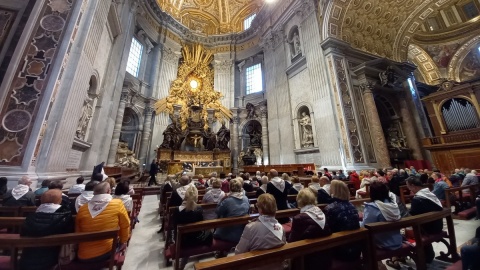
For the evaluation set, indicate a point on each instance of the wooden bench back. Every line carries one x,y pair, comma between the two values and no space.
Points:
20,242
13,224
451,193
416,222
289,251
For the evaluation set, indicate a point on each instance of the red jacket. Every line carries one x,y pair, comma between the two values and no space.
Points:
355,179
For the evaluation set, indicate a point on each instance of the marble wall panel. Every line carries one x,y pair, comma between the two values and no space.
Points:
26,92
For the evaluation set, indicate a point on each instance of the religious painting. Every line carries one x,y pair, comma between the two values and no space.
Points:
470,68
442,54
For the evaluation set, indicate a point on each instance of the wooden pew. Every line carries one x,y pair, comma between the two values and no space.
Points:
11,224
9,211
216,223
421,239
461,198
16,243
292,250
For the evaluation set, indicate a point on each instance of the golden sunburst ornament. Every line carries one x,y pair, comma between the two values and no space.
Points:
194,87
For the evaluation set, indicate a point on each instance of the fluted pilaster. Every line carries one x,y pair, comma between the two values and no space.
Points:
234,139
146,134
117,128
375,126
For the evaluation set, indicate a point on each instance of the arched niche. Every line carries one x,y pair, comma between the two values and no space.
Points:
251,136
88,108
294,43
131,129
459,114
305,128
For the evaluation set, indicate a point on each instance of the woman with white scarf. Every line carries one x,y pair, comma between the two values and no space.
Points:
179,194
383,208
21,195
265,232
310,223
279,189
263,187
214,195
296,186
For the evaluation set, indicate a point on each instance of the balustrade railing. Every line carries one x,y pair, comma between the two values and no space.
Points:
470,135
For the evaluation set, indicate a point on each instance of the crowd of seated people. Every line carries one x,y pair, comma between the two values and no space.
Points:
325,188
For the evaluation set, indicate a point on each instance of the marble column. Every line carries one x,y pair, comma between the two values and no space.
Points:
117,128
147,124
375,126
264,122
234,141
409,131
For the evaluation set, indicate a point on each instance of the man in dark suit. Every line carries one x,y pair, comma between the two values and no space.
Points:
153,172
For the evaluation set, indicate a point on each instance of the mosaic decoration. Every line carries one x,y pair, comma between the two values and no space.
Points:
33,73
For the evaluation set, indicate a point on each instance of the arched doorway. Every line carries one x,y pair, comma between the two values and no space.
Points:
131,132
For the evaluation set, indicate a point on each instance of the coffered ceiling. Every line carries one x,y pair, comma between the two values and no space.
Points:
211,17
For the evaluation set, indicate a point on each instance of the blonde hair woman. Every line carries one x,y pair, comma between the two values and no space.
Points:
342,216
263,233
112,182
214,195
190,212
310,223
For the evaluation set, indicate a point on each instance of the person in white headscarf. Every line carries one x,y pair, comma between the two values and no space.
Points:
21,195
178,195
310,223
265,232
279,189
425,201
102,212
214,195
383,208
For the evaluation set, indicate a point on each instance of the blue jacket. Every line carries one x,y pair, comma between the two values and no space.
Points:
439,189
387,240
231,207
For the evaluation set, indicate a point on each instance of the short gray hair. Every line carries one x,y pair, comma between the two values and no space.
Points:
25,180
101,188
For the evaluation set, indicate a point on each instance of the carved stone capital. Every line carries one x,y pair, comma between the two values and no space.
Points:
223,66
273,40
263,112
170,56
306,8
235,120
367,87
125,96
149,110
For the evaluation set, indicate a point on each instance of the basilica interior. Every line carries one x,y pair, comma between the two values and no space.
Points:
233,86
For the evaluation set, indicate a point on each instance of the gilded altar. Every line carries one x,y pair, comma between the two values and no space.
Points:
189,142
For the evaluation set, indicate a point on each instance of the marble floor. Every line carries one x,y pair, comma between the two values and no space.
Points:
146,246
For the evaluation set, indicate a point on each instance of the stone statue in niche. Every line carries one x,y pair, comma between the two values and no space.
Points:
307,132
296,44
87,113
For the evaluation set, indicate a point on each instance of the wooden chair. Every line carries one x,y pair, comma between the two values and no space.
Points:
421,239
290,251
17,243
